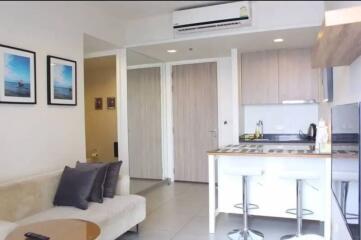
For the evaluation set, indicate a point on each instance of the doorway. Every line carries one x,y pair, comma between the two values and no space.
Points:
100,109
195,119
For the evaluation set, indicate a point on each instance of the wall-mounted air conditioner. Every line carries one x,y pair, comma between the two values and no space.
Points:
214,17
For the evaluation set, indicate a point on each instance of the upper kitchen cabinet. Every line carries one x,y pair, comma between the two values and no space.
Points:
297,79
259,77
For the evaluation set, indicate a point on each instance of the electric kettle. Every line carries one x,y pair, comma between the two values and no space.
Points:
312,130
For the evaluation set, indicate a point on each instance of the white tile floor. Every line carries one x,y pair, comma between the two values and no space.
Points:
180,212
139,185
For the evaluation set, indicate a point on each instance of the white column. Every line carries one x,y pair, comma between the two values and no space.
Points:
122,109
235,95
212,193
168,108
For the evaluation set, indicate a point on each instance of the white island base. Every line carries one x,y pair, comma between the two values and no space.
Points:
272,192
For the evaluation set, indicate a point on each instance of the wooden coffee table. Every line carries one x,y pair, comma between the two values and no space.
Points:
62,229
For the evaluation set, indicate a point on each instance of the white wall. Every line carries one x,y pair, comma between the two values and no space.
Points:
39,138
347,83
225,101
346,87
280,118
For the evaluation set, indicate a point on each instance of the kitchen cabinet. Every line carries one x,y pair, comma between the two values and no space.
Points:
260,77
297,79
275,76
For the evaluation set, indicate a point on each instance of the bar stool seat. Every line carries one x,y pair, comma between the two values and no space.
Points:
299,211
346,176
308,237
245,233
300,175
249,172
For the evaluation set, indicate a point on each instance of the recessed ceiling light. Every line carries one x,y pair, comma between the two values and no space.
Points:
171,51
278,40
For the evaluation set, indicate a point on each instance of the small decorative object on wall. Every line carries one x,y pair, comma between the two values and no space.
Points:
17,75
111,103
62,82
98,103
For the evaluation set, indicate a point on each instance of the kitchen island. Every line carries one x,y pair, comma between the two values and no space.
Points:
272,192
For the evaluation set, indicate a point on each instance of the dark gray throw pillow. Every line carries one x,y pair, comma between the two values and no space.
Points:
111,180
74,188
96,194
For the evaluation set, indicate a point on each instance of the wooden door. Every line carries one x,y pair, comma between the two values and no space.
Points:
144,123
260,77
297,79
195,119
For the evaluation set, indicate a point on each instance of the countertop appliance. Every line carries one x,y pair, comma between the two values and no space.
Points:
312,131
346,164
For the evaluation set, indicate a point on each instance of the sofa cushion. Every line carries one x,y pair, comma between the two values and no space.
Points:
96,194
111,180
75,187
6,228
117,207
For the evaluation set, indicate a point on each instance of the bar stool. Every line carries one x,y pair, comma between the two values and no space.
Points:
300,176
345,178
246,233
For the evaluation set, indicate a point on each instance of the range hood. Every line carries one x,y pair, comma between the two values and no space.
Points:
327,84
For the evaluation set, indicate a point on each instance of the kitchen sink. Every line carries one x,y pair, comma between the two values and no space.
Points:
278,138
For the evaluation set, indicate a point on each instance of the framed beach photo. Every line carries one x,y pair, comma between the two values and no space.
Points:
17,75
62,81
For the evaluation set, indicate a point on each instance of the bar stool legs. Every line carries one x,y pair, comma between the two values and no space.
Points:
300,212
344,195
245,233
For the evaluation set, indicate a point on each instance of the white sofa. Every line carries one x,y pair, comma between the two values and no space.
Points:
30,200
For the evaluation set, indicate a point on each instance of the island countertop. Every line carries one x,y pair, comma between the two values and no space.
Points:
270,150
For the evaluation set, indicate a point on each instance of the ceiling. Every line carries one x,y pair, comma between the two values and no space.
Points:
129,10
221,46
93,44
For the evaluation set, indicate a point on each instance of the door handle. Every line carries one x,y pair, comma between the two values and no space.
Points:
213,133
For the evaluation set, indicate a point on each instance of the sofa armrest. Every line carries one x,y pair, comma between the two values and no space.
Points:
123,185
6,228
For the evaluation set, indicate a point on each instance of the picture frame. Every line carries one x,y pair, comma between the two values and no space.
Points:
111,103
98,103
17,75
62,81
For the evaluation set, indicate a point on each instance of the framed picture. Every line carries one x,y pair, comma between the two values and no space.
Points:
17,75
111,103
62,81
98,103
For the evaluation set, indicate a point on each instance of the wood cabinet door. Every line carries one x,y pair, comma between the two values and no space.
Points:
144,123
259,82
297,79
195,119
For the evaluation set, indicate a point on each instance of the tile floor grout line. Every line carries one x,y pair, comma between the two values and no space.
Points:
183,226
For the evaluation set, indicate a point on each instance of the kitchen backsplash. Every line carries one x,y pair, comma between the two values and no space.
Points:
280,118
